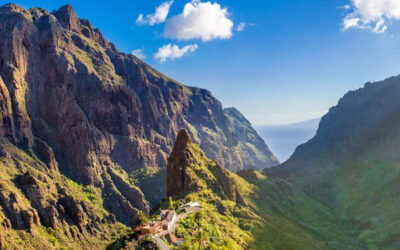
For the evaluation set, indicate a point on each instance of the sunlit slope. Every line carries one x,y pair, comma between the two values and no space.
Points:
352,164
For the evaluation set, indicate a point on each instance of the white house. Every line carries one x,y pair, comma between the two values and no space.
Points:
193,204
168,218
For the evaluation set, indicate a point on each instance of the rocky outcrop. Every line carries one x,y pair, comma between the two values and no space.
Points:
131,193
189,171
20,218
37,201
177,178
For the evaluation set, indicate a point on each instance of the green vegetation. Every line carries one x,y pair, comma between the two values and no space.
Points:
48,181
141,218
170,203
151,182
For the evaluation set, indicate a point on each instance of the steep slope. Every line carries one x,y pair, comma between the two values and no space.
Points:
226,218
352,165
66,91
93,105
42,209
251,145
79,121
190,171
249,208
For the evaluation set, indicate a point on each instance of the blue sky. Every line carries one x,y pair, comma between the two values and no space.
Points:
291,62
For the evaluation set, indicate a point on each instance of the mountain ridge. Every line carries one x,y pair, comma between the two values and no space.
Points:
352,163
78,112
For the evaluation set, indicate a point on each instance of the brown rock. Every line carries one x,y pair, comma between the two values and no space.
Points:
187,163
74,210
31,219
177,163
4,152
65,89
71,98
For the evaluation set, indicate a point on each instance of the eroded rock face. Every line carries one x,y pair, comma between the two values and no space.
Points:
177,178
68,94
189,171
20,218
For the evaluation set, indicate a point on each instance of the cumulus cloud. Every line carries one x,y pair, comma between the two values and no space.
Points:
157,17
371,14
172,51
139,53
200,20
242,26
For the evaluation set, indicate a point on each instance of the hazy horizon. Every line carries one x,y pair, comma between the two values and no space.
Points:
283,139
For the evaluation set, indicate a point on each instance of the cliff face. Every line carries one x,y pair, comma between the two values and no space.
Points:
63,84
252,148
79,108
352,163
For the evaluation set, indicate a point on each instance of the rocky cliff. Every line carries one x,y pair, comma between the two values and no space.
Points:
78,112
252,147
63,84
352,163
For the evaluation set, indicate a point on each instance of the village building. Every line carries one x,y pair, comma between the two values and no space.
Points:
192,206
168,218
149,228
173,239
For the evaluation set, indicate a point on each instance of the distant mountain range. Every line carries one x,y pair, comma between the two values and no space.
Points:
284,138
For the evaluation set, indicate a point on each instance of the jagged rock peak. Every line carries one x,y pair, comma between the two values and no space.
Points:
177,164
67,17
182,139
188,167
11,6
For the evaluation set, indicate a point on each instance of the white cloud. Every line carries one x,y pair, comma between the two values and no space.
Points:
242,26
346,7
172,51
371,14
139,53
200,20
157,17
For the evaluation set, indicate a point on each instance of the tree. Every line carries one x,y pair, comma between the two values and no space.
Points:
170,204
141,218
198,216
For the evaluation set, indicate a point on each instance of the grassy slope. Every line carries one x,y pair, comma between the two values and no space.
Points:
276,215
279,215
296,221
370,197
222,223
